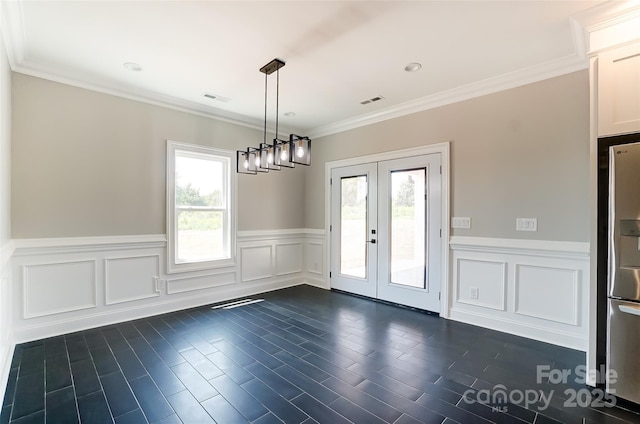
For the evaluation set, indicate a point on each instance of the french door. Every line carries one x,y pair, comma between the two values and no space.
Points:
385,230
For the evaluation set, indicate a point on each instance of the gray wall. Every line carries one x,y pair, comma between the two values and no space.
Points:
91,164
6,307
522,152
5,146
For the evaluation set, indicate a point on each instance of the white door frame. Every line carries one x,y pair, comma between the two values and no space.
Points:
443,149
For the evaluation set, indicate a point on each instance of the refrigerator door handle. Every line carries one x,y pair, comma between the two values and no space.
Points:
633,310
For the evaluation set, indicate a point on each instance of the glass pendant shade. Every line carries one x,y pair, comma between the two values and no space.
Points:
282,156
300,149
248,161
267,157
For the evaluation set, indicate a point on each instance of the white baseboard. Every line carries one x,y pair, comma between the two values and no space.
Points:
6,355
316,282
521,329
108,317
62,285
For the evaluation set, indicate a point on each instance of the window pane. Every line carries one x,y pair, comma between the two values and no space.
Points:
353,224
408,218
199,182
201,236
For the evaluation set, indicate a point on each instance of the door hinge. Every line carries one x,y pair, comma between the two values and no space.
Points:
329,274
440,232
330,228
440,169
330,181
438,295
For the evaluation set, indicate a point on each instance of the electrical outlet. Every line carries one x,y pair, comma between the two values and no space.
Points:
526,224
159,283
460,222
473,292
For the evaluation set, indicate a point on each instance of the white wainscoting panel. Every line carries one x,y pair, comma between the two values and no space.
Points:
69,284
555,289
314,257
533,288
256,262
52,288
487,278
131,278
199,282
316,267
288,258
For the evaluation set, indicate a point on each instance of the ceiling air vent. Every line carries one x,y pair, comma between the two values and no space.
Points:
216,97
371,100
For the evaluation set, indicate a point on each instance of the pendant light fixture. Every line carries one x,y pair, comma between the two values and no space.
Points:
281,153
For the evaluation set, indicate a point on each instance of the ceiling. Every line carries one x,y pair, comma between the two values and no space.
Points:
337,53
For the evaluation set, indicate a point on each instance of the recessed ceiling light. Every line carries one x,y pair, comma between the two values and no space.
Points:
413,67
290,114
132,66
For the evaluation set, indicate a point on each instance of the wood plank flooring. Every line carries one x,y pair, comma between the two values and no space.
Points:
304,355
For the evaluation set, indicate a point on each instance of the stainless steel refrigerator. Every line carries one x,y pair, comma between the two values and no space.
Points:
623,332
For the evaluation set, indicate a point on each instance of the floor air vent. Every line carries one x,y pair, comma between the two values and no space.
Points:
237,304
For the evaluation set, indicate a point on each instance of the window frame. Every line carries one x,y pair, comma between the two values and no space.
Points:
172,210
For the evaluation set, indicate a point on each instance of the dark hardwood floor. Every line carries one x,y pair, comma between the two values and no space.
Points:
304,355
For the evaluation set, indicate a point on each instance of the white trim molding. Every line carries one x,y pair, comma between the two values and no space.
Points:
29,247
565,249
6,252
555,68
56,287
532,288
444,149
315,259
94,281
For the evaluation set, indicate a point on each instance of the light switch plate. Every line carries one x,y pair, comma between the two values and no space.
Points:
526,224
460,222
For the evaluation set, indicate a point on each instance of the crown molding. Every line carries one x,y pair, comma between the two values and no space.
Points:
607,14
12,28
149,97
15,41
566,65
603,17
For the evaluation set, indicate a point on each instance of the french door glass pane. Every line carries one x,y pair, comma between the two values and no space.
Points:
200,236
353,225
407,228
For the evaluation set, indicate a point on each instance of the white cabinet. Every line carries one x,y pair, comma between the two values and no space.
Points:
619,90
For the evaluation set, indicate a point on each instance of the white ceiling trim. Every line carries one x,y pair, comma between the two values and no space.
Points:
488,86
13,32
12,28
507,81
151,98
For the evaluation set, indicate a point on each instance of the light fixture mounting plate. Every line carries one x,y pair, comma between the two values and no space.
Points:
272,66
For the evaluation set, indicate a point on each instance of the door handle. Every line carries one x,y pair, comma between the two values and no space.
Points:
372,241
633,310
